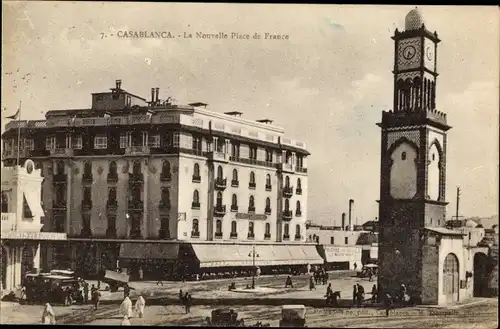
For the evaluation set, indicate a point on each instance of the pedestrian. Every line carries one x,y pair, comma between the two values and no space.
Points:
48,315
141,273
354,294
370,275
126,290
374,293
288,282
187,302
125,321
140,304
329,290
181,297
402,292
126,307
96,297
85,292
387,303
311,283
355,266
361,294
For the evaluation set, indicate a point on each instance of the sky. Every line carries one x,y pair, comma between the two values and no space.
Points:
326,85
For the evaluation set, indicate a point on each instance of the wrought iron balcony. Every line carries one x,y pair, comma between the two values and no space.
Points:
136,179
61,153
269,187
219,210
285,167
251,236
59,205
298,237
164,205
86,205
195,234
60,178
234,208
251,209
112,178
136,233
287,215
218,156
267,236
298,213
267,211
195,205
218,235
220,184
298,191
233,235
166,177
252,185
286,237
196,179
288,191
235,183
112,205
136,205
137,150
87,179
301,169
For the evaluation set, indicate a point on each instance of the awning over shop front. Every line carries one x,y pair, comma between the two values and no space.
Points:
166,251
225,255
34,201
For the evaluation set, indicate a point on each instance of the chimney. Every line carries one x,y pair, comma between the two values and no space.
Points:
351,202
343,221
157,94
152,96
118,84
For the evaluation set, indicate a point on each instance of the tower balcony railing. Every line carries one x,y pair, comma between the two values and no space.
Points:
112,205
286,167
112,178
136,179
301,169
61,153
288,191
137,150
220,184
136,205
220,210
287,215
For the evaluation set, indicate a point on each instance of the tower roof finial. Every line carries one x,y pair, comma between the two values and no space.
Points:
414,20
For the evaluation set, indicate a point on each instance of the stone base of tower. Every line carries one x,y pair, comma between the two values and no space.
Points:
441,275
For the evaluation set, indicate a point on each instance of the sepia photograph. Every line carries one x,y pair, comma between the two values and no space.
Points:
249,165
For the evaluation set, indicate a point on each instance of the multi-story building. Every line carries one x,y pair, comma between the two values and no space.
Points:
148,182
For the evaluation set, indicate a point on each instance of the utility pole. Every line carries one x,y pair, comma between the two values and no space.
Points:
458,204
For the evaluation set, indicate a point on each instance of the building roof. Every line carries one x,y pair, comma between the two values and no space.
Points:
444,231
196,104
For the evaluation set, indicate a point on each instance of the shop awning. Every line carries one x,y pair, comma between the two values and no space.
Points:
167,251
34,201
340,254
225,255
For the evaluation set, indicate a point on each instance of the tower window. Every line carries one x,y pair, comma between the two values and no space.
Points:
403,156
433,156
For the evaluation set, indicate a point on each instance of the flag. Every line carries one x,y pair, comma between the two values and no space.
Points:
14,116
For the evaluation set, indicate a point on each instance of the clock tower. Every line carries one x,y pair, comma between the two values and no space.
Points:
413,160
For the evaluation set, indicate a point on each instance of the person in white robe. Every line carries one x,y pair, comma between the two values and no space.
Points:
126,307
48,315
140,304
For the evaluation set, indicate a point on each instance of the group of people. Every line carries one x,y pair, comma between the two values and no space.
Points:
127,309
186,299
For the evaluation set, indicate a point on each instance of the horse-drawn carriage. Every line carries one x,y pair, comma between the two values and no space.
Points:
293,316
223,317
115,280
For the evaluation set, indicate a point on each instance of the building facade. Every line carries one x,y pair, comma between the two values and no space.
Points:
416,248
140,181
21,224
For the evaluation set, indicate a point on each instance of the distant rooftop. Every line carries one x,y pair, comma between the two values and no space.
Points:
196,104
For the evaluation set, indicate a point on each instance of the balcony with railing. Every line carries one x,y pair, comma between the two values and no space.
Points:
61,153
59,205
285,167
218,235
195,234
298,191
235,183
267,211
220,184
87,179
234,208
251,236
251,210
138,150
166,177
301,169
252,185
164,205
219,210
298,237
233,235
218,156
269,187
112,178
86,205
196,179
137,205
195,205
23,153
288,191
286,237
298,213
9,222
287,215
111,233
60,178
136,179
111,205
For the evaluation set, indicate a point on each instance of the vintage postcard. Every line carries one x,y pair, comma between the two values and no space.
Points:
283,165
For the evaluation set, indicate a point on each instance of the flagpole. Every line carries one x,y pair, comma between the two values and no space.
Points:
19,132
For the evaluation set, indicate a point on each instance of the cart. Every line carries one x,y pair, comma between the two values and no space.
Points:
366,269
293,316
115,280
224,317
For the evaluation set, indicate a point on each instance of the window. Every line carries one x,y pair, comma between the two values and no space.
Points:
252,177
50,143
250,228
235,175
29,144
196,197
219,199
218,227
268,229
154,140
195,226
136,193
123,141
298,211
177,139
433,156
112,194
5,203
136,169
268,203
299,184
268,180
287,205
113,170
287,181
60,168
234,201
165,169
87,194
100,142
269,156
332,240
253,153
77,142
346,240
116,96
233,227
403,156
286,230
297,230
219,173
87,169
251,202
196,170
164,232
165,196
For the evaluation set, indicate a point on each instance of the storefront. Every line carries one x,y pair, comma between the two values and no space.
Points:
340,257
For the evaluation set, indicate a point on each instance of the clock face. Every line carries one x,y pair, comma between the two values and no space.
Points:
429,54
409,52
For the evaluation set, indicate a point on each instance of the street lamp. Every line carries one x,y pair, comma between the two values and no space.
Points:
253,254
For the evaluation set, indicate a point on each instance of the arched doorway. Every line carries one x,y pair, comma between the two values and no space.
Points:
451,278
3,273
26,261
480,275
